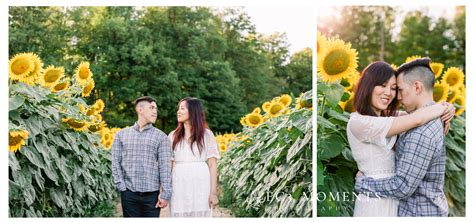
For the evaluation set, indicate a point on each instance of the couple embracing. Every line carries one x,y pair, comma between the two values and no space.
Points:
401,155
153,170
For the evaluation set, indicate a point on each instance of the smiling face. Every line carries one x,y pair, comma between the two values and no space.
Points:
383,95
183,113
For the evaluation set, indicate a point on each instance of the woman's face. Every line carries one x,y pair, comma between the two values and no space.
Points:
183,114
383,95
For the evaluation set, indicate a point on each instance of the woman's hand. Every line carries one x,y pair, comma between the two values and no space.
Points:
447,116
213,200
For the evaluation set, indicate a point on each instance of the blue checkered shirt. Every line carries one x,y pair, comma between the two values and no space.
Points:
141,160
419,180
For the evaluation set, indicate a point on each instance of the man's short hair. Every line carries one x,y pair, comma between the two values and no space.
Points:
418,70
144,98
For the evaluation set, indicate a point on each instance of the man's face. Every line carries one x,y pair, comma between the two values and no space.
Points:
406,93
148,111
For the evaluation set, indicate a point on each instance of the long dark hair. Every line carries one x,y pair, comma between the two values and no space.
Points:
375,74
197,119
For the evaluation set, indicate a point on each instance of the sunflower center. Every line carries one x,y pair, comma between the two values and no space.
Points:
254,119
14,140
75,124
60,86
275,109
336,62
88,88
84,73
51,76
452,80
438,93
349,107
20,66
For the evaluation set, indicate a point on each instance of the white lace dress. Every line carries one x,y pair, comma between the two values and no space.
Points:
374,155
191,178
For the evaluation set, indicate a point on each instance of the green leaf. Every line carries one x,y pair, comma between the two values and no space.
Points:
15,102
58,197
330,146
332,92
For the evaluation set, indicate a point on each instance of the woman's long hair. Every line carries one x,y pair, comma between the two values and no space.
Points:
197,120
375,74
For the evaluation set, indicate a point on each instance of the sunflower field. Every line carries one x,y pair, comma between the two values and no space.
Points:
59,159
336,169
266,170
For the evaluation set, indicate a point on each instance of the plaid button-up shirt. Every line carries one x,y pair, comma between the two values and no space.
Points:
141,160
420,167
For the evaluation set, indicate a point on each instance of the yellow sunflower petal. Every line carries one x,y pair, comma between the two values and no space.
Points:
437,68
411,58
460,104
253,119
285,100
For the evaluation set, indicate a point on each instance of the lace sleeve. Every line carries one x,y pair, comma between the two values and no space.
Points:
211,145
372,129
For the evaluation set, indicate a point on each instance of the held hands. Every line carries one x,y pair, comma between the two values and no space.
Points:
359,174
161,203
213,200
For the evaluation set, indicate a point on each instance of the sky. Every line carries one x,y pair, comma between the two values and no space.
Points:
297,22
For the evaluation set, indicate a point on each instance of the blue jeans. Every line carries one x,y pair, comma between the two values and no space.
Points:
138,204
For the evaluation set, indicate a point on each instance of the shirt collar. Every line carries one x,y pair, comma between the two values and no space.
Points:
137,127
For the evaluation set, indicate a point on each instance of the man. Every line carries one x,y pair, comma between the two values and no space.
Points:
141,157
421,154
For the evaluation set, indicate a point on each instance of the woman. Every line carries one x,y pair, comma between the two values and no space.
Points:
372,131
194,182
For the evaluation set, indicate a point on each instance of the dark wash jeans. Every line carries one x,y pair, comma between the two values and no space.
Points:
137,204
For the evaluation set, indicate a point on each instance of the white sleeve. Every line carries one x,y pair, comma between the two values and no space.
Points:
211,145
372,129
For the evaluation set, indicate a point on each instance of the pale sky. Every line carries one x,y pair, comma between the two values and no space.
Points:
297,22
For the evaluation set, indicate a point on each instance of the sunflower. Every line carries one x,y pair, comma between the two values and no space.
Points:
91,111
60,86
452,95
348,105
254,119
265,106
411,58
86,91
437,69
321,42
77,125
99,105
460,104
285,99
16,139
337,61
83,73
462,90
51,76
440,92
222,147
453,77
96,127
257,110
20,66
276,109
